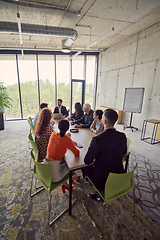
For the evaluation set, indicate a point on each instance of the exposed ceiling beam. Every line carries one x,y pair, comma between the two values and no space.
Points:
100,38
23,28
75,55
37,5
38,29
141,9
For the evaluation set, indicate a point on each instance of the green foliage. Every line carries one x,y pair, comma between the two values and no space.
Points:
47,93
63,93
5,100
89,93
29,96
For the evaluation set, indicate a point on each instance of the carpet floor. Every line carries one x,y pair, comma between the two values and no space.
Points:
22,217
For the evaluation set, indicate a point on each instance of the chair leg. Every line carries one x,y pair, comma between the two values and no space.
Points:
134,203
31,185
91,218
83,203
126,206
103,206
49,209
84,187
30,158
36,183
42,188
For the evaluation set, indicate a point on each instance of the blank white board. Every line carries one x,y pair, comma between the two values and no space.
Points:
133,100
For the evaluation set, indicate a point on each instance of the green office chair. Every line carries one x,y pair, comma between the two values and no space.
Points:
29,119
116,186
34,149
125,159
43,174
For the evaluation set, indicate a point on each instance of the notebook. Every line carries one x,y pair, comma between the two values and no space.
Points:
57,115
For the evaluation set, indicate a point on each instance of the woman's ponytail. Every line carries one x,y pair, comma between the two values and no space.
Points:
63,126
62,132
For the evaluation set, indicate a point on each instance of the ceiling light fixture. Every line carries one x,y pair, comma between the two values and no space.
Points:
19,27
20,32
101,37
65,49
141,9
76,54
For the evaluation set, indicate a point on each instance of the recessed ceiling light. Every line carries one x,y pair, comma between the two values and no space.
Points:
65,50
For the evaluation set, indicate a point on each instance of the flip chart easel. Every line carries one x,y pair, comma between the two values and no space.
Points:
133,100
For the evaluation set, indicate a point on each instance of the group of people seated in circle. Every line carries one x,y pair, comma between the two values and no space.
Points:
107,143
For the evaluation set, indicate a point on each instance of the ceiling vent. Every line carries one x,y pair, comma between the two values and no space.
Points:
70,33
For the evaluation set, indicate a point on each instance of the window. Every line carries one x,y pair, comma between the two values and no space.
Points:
90,75
47,80
28,84
76,94
78,68
63,79
8,75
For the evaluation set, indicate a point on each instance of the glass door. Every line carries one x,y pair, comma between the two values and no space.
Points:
77,92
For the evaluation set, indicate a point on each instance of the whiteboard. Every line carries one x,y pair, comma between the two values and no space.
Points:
133,100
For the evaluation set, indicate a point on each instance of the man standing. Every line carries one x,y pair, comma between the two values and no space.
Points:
87,118
60,108
43,105
105,152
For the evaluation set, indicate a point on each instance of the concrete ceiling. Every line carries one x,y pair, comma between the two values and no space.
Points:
90,18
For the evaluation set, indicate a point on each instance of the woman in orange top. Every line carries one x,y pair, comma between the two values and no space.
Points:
57,147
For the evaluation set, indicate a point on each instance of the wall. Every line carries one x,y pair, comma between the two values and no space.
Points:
134,62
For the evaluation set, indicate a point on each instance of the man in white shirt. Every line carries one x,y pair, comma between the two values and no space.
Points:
60,108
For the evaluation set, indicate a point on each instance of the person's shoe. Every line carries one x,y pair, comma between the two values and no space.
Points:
95,196
64,188
76,178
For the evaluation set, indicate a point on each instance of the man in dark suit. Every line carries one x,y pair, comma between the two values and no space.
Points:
60,108
105,152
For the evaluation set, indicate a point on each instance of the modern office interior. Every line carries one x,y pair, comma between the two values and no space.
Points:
88,51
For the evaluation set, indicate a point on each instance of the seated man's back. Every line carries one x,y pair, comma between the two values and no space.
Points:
107,149
43,105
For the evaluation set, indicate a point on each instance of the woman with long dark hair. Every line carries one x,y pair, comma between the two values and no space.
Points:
78,112
57,147
43,131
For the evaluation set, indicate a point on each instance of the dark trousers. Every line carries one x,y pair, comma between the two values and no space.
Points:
96,179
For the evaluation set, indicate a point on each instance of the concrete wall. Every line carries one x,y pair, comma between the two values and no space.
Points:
134,62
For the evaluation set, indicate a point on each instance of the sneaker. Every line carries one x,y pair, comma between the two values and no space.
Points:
95,196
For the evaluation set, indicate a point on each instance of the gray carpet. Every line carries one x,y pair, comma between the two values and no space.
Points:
22,217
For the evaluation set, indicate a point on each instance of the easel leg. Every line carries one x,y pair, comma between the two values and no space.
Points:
130,126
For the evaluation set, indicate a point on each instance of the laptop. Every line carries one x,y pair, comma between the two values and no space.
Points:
57,115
